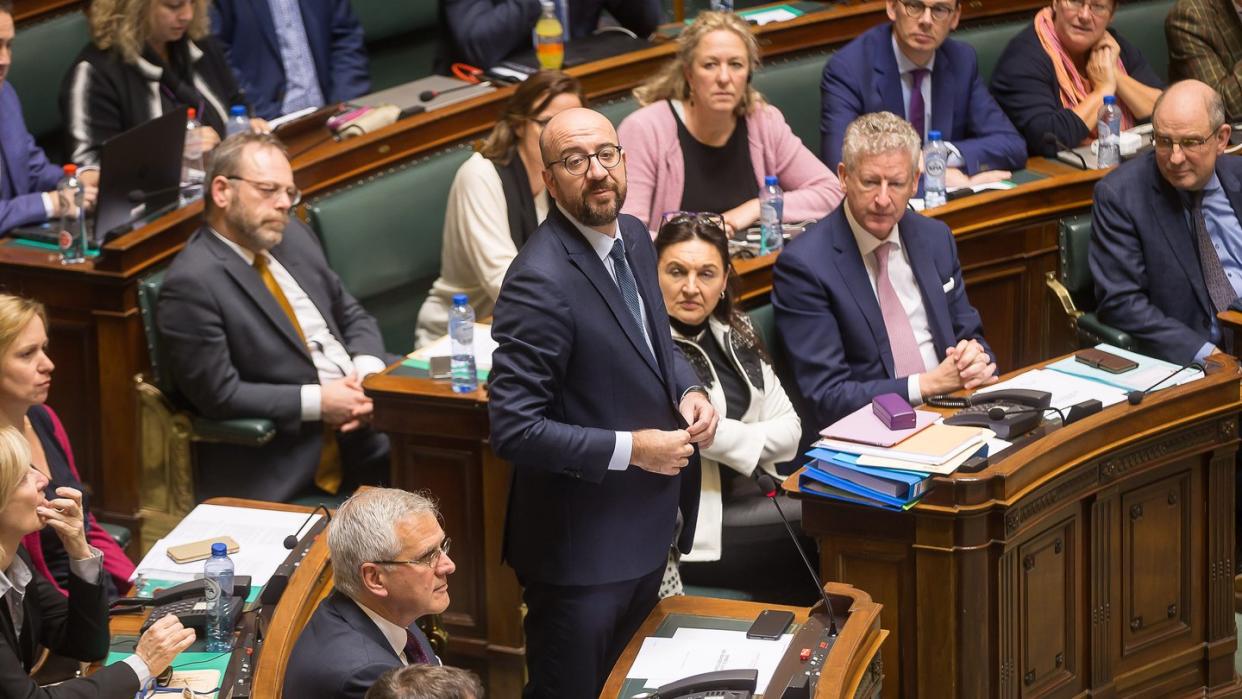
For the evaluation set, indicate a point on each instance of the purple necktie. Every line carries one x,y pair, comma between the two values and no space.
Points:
906,357
915,115
414,650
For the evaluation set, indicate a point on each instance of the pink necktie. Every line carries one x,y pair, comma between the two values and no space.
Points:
906,357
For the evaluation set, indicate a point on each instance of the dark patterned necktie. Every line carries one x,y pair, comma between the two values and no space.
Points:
626,282
414,650
918,108
1219,289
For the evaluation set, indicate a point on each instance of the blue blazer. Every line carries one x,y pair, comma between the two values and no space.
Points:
1145,260
248,34
830,321
571,368
863,77
341,652
26,171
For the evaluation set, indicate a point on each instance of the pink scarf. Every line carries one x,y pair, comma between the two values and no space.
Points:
1074,86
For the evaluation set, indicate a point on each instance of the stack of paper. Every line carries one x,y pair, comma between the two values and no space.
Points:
484,347
1149,372
695,651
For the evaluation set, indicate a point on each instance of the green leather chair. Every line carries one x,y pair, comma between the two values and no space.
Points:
42,55
989,41
1142,24
400,39
616,109
792,86
1075,288
167,430
383,236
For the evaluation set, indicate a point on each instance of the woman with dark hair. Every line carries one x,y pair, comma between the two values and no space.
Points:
496,202
758,428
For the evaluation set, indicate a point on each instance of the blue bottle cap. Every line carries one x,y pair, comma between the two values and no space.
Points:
218,549
1110,99
933,135
769,180
237,110
460,299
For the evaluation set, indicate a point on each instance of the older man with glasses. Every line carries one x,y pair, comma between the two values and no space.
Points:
390,566
910,67
1166,248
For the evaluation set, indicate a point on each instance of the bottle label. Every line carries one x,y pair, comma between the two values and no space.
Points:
211,591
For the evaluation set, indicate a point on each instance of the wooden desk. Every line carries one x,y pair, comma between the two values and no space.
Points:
1098,559
848,672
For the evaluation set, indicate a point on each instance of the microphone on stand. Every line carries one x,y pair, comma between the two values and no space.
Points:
1136,397
768,484
1053,145
428,95
291,541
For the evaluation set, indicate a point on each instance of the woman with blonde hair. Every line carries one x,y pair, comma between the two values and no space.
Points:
147,58
25,379
705,139
35,615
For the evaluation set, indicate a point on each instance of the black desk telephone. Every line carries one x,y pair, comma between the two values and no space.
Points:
1020,410
190,605
722,684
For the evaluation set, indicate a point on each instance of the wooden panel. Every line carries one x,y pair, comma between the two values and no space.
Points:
997,292
1157,557
1048,608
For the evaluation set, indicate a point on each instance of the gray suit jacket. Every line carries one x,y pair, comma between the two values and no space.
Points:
234,354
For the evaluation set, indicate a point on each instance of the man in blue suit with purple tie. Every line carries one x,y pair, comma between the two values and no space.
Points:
870,300
27,180
909,66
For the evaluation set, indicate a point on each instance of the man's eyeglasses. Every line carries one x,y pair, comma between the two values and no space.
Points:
269,190
1165,144
578,163
705,217
1099,9
915,9
431,560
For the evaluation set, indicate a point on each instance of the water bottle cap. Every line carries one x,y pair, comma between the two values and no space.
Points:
237,110
191,113
460,299
1110,99
933,135
219,549
769,180
70,169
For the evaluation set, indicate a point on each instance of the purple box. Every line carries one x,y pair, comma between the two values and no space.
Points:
893,411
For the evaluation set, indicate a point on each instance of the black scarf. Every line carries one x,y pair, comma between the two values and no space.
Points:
519,203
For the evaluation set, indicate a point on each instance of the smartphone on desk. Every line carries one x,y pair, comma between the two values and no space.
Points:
770,624
1105,361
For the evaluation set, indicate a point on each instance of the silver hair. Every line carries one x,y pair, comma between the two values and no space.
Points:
876,133
365,530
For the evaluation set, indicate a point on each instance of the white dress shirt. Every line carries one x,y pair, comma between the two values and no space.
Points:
331,359
907,68
395,635
901,274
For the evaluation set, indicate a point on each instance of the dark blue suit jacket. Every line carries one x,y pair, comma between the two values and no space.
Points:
1145,260
863,77
572,368
248,34
341,653
830,321
26,171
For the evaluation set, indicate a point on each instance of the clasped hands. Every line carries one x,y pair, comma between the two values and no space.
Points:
965,365
343,404
668,451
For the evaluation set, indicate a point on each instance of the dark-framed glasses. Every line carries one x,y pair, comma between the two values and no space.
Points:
431,560
706,217
578,163
915,9
1099,9
1165,144
269,190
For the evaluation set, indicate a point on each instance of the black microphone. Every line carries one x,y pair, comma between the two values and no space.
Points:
768,484
1136,397
428,95
142,196
292,540
1053,145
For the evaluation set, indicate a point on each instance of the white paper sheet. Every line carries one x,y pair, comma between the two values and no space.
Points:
260,536
484,347
1066,390
695,651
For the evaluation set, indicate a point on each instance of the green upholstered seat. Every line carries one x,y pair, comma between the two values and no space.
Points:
989,41
400,39
43,52
121,535
616,109
1142,24
383,236
792,86
1075,287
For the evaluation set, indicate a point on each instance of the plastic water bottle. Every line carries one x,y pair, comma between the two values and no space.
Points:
192,160
238,121
935,157
461,332
1108,133
71,236
549,38
722,5
218,590
771,209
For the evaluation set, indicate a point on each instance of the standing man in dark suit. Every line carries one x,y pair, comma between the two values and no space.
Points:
27,180
598,413
293,54
1166,247
871,300
258,326
390,566
910,66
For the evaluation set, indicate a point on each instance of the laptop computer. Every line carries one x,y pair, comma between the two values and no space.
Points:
139,179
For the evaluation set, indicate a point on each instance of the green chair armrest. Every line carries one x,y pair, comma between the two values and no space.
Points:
250,432
1091,330
121,535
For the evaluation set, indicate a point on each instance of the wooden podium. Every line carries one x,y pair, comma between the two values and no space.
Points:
1097,559
852,669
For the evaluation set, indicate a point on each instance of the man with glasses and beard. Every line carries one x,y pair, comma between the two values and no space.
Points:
1166,247
258,326
597,412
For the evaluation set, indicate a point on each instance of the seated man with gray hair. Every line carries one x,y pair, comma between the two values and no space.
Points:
427,682
390,566
870,300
